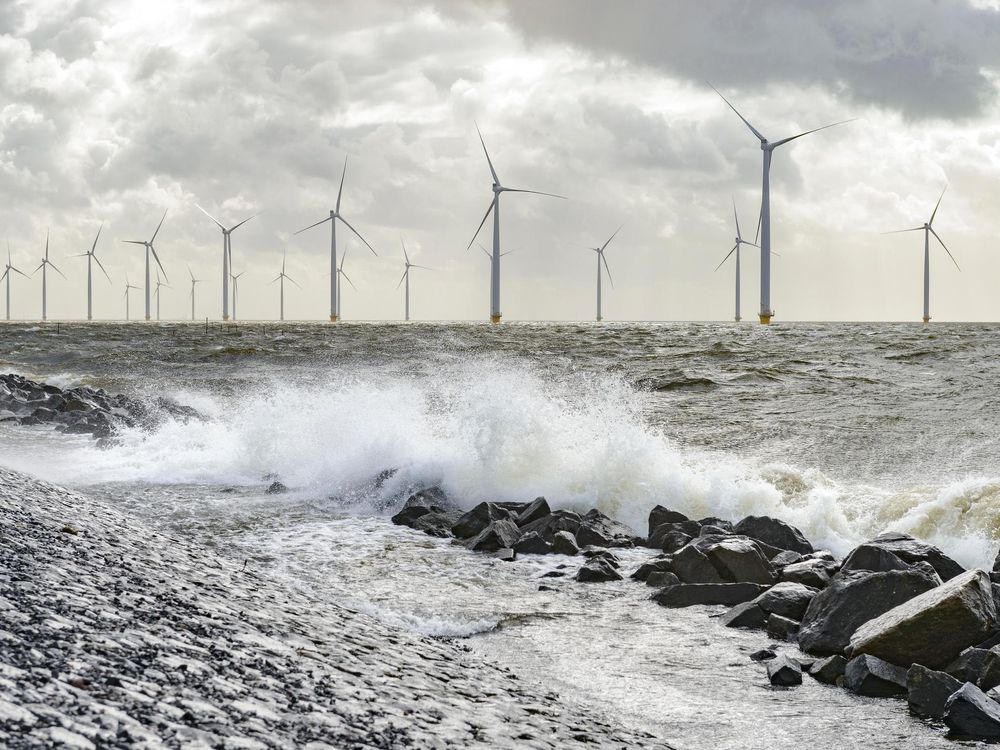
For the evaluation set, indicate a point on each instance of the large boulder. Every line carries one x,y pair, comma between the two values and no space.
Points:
692,566
970,713
660,515
852,600
437,522
781,628
476,520
774,532
598,570
691,594
739,560
989,675
934,627
927,691
661,578
868,675
784,671
532,544
909,550
497,535
745,615
968,665
873,558
548,526
538,508
564,543
829,670
599,530
815,573
653,566
670,537
789,600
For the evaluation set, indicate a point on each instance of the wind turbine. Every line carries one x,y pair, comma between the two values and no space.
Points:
227,257
193,282
128,286
150,249
281,277
406,276
43,266
495,208
332,218
236,278
736,249
601,258
767,147
928,230
341,273
91,256
6,275
157,293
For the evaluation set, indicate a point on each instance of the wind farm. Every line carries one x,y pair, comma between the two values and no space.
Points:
149,249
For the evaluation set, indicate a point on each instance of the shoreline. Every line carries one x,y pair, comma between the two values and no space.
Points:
116,635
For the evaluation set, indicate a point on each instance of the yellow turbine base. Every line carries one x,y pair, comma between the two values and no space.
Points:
494,319
927,320
225,317
334,318
765,318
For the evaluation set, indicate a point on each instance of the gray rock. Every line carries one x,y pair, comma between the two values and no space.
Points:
532,544
909,550
599,530
968,665
660,515
764,654
746,615
548,526
873,558
437,522
785,557
276,488
691,594
774,532
784,671
497,535
506,554
538,508
563,543
739,560
970,713
989,675
643,572
927,691
813,573
781,628
476,520
829,670
786,599
721,523
868,675
692,566
934,627
852,600
597,570
661,578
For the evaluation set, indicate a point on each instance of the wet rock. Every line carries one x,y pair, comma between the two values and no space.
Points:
661,578
660,515
746,615
598,570
548,526
787,600
610,557
774,532
785,557
429,497
764,654
276,488
437,523
781,628
408,516
538,508
643,572
868,675
691,594
852,600
813,573
970,713
600,531
506,554
989,675
713,531
497,535
740,561
927,691
968,665
692,566
873,558
783,671
532,544
720,523
829,670
909,550
479,518
672,541
564,543
934,627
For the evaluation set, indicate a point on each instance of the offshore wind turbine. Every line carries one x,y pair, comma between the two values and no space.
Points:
281,277
157,294
6,275
332,218
406,276
227,256
43,266
494,207
736,249
128,286
767,147
601,258
341,273
235,277
150,249
91,256
928,230
193,282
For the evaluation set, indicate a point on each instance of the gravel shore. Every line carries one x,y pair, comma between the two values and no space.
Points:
114,635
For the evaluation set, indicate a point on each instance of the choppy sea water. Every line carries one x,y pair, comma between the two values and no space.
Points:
845,430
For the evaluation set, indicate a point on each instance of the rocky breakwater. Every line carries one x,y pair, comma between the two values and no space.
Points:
81,410
895,618
113,635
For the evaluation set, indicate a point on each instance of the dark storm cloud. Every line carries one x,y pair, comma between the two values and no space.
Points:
925,58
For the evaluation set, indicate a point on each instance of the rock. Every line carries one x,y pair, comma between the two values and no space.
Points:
597,570
873,558
538,508
660,515
408,516
643,572
868,675
429,497
786,599
714,531
813,573
548,526
927,691
909,550
784,671
437,522
673,535
661,578
763,655
532,544
740,561
852,600
989,675
785,557
781,628
610,557
774,532
275,488
745,615
934,627
479,518
563,543
969,712
721,523
599,530
690,594
506,554
497,535
692,566
829,670
968,665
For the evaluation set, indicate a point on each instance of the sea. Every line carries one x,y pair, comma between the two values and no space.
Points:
843,429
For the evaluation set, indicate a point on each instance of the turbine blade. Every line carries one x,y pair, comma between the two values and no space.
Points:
5,273
936,206
342,259
348,225
489,161
57,270
814,130
243,222
737,218
402,278
727,257
404,251
101,266
608,269
134,242
40,265
349,281
293,281
414,265
601,251
897,231
211,217
745,121
945,248
535,192
94,246
340,192
487,252
157,257
485,217
760,218
276,278
151,241
314,225
17,270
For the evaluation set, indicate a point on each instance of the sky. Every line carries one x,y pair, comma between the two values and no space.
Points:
113,111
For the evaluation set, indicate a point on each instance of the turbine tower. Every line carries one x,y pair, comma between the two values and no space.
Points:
127,288
736,249
150,249
332,218
767,147
91,256
227,256
928,230
157,293
281,277
236,278
6,275
341,273
193,282
406,276
495,208
44,266
601,258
